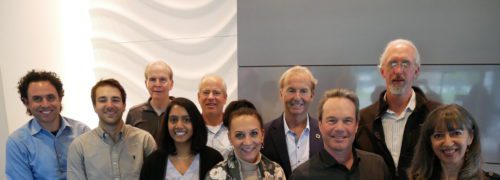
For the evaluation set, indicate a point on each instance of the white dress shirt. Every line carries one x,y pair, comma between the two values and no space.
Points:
394,127
218,139
298,147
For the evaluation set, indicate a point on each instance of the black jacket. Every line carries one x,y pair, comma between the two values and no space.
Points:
155,165
370,136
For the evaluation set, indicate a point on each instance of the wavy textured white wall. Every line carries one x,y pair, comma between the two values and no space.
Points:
193,37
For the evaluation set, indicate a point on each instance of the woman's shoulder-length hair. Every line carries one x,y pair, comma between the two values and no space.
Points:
426,164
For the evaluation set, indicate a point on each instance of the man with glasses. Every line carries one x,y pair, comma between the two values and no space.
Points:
212,96
149,115
294,137
390,126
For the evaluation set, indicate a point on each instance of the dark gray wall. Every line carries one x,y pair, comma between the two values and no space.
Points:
340,41
325,32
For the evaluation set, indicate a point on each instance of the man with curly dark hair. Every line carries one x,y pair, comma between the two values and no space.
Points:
38,149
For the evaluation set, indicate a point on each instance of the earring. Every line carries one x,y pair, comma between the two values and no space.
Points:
466,156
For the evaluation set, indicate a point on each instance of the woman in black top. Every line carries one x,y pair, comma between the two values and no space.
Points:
182,145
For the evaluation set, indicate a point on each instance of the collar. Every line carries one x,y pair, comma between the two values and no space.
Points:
287,129
328,161
147,105
104,135
410,106
215,129
247,165
420,100
36,127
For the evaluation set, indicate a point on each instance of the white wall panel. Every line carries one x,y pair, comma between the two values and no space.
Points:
194,37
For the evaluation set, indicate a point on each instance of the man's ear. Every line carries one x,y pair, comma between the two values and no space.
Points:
281,93
171,85
24,100
381,71
417,72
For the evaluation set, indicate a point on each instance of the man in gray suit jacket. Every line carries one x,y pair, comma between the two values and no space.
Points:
294,137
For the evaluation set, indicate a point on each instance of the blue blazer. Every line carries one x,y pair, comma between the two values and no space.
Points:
275,142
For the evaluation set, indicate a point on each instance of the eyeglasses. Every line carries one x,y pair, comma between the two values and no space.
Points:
214,92
405,64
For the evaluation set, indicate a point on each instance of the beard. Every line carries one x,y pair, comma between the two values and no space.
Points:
397,90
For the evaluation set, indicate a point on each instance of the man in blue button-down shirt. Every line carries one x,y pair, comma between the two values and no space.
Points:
38,149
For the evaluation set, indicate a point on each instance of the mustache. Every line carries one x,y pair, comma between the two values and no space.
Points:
399,77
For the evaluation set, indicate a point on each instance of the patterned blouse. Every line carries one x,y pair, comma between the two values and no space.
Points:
230,169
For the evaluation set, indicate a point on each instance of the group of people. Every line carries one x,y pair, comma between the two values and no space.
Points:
403,135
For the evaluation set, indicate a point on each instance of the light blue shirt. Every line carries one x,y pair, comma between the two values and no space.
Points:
35,153
298,147
218,139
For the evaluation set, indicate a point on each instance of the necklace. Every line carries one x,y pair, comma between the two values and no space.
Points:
182,157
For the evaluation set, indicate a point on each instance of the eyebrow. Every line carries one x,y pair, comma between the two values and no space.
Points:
256,129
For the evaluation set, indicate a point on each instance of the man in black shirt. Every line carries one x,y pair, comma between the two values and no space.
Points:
338,123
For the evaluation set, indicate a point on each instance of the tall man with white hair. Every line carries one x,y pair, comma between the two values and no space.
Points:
212,96
390,126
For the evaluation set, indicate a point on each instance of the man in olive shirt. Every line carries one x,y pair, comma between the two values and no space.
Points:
338,123
113,150
149,115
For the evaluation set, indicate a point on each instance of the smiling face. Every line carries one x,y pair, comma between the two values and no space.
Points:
212,96
450,146
399,69
296,94
338,125
180,127
43,102
109,105
246,136
158,81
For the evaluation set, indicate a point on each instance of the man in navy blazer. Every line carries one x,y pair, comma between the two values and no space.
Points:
294,137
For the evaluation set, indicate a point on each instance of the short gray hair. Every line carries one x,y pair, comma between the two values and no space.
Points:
215,77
